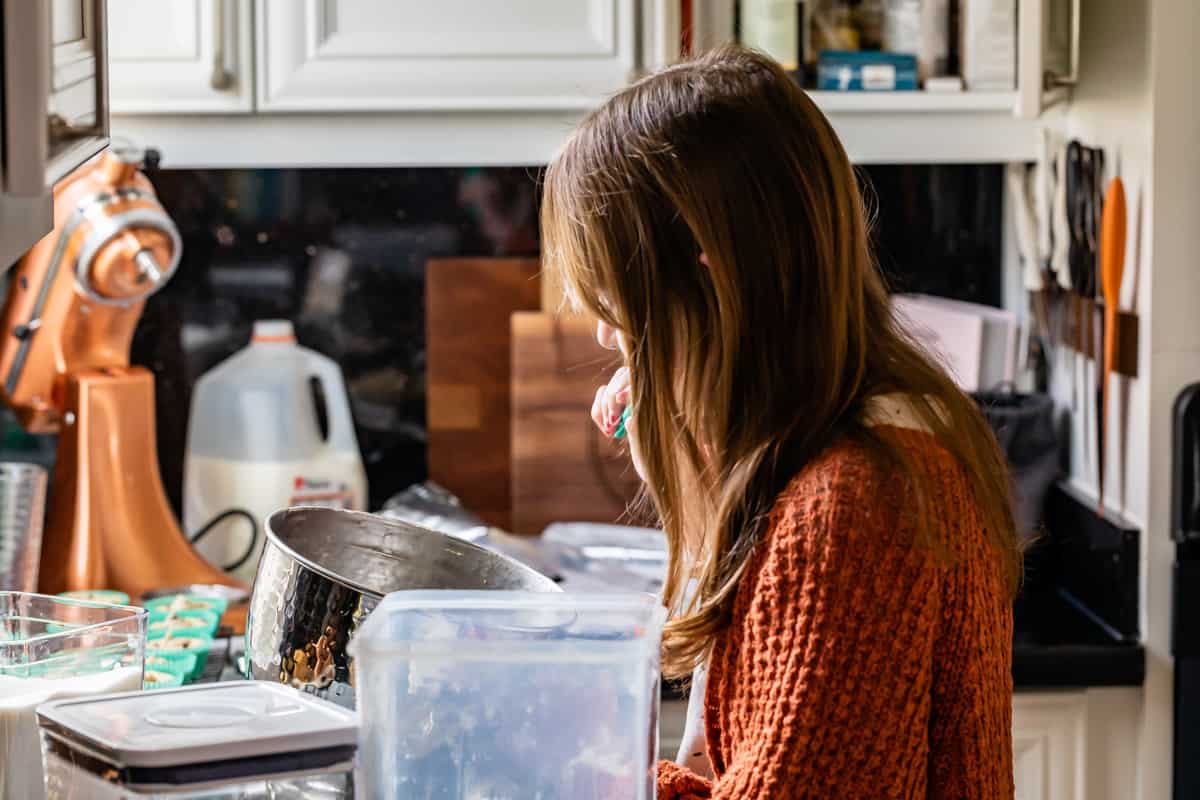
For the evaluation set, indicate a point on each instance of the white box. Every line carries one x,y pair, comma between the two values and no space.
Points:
976,344
989,44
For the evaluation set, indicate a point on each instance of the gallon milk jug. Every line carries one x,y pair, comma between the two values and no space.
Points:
255,446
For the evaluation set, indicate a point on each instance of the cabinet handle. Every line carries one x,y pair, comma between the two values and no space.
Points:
221,79
1053,81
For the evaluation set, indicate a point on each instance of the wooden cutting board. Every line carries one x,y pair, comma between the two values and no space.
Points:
563,468
468,303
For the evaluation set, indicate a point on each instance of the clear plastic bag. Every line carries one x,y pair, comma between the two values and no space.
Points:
581,556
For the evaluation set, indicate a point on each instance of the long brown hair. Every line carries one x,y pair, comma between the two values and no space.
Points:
744,367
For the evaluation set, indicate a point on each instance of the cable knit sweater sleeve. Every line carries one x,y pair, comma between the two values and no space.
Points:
821,687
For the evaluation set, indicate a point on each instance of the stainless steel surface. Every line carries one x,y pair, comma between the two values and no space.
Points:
150,269
26,93
40,77
26,210
104,230
23,221
22,507
324,570
63,129
78,89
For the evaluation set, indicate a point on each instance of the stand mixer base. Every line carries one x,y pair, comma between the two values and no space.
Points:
110,526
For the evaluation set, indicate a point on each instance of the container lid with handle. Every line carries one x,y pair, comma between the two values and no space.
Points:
209,724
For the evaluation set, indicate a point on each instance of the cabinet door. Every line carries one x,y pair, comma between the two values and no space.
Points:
180,56
77,116
379,55
1049,745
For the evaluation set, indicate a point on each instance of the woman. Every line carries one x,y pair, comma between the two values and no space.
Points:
842,548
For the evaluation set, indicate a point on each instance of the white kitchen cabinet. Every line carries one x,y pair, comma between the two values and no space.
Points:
1047,58
180,56
1050,745
402,55
412,82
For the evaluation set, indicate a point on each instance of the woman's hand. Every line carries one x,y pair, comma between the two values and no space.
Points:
607,408
610,402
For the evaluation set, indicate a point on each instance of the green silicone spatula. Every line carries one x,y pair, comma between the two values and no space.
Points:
621,430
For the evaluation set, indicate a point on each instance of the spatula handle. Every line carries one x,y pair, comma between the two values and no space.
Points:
1112,270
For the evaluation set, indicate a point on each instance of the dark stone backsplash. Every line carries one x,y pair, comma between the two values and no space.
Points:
341,253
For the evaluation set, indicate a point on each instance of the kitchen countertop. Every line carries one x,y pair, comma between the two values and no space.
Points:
1057,642
1076,620
1074,623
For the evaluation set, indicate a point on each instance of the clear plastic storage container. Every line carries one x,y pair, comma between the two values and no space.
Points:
509,695
227,741
55,647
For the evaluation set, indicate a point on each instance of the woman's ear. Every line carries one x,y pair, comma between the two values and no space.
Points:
704,260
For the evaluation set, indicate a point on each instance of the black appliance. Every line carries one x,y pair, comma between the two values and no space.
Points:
1185,593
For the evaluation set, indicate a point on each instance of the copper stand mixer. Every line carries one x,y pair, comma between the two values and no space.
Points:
73,303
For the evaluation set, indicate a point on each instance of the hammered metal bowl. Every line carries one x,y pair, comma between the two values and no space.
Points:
323,570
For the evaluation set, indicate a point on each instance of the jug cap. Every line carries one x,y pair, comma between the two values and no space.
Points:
273,331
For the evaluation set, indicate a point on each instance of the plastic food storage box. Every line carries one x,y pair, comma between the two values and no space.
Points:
509,695
243,740
55,647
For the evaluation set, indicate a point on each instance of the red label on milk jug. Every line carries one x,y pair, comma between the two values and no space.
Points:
315,492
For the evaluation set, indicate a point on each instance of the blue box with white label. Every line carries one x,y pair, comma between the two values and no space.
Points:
866,71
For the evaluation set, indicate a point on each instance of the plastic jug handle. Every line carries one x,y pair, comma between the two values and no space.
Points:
337,402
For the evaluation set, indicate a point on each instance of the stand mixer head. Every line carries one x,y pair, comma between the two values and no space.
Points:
73,303
76,297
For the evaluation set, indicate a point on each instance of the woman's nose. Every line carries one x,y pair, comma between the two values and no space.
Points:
606,335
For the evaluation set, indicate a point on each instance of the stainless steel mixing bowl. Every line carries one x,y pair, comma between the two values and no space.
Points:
324,570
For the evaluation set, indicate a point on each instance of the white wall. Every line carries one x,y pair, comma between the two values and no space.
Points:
1139,99
1139,58
1111,109
1173,251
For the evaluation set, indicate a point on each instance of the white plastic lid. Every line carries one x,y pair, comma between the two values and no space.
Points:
201,724
462,620
273,331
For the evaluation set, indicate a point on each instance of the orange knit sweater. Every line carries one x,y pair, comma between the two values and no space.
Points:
858,665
